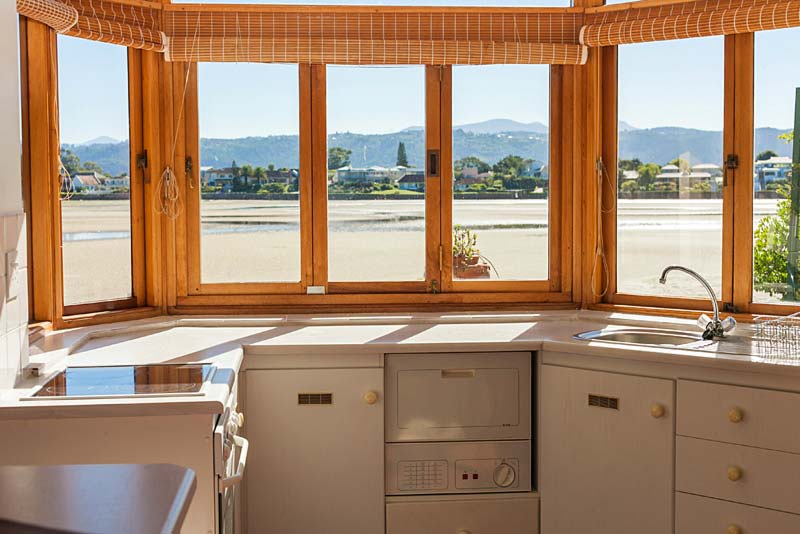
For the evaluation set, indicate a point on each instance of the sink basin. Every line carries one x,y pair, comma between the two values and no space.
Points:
642,336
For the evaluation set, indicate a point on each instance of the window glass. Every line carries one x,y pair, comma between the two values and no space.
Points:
95,152
776,275
376,173
669,175
501,172
249,172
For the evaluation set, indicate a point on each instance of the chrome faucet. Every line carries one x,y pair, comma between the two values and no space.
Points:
712,328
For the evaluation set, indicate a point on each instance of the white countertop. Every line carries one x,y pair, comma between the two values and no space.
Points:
228,341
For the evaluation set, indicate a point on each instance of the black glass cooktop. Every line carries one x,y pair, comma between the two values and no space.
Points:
127,380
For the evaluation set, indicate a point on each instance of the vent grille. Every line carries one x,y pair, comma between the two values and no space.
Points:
314,399
600,401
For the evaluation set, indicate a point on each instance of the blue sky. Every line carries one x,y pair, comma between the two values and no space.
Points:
676,83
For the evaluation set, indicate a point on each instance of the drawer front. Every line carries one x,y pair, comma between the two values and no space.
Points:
747,416
701,515
770,479
458,397
480,516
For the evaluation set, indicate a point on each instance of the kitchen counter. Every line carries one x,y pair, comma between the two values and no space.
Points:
95,499
233,343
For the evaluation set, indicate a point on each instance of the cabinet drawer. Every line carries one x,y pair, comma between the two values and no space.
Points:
747,416
701,515
770,479
502,515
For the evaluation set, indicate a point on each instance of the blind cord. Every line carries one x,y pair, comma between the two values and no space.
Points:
168,192
600,249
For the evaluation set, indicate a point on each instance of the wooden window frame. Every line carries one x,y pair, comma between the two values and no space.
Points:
41,149
439,287
738,227
608,217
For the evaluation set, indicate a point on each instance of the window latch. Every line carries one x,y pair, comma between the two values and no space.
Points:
141,160
433,164
732,162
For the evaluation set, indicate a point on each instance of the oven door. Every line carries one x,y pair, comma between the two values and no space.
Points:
230,459
228,483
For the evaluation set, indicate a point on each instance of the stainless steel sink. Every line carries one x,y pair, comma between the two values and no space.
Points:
642,336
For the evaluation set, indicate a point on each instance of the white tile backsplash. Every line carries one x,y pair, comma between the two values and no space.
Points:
13,312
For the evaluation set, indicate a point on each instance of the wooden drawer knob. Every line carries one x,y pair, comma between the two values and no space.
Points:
734,473
734,529
735,415
464,532
371,397
657,410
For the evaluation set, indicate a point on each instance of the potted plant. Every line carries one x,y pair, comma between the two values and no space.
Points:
467,259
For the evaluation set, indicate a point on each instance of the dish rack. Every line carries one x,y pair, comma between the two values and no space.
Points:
778,338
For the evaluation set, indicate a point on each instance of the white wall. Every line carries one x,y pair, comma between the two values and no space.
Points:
13,274
10,150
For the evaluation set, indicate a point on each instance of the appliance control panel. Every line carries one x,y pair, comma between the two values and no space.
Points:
467,467
486,473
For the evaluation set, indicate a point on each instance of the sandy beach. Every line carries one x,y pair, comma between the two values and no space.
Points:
374,240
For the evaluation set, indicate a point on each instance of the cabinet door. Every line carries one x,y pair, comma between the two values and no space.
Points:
606,458
316,451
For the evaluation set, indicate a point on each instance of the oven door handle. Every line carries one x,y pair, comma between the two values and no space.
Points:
227,482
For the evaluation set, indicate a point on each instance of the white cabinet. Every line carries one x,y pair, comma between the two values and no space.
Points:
316,451
457,514
606,452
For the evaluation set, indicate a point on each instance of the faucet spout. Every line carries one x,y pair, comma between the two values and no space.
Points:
713,327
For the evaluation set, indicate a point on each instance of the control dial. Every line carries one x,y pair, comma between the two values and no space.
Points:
504,475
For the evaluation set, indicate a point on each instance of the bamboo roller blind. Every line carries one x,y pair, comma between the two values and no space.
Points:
134,24
130,23
373,37
53,13
702,18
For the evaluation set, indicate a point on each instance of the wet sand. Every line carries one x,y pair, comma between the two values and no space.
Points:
259,241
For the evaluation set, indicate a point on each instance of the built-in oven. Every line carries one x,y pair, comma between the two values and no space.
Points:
458,432
230,460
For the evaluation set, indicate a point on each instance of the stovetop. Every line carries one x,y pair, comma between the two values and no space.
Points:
127,380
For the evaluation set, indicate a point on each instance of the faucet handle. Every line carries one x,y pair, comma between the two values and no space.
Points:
703,321
728,325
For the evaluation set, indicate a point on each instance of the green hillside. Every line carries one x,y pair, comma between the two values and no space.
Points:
657,145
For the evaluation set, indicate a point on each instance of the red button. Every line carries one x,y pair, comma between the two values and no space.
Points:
475,476
465,476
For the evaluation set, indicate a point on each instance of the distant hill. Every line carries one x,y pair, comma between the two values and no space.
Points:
657,145
502,125
102,140
626,127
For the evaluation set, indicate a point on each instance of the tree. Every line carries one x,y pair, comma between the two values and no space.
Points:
510,166
234,169
770,251
402,158
91,166
681,163
259,173
471,161
273,188
338,157
70,161
246,171
628,165
629,186
647,174
767,154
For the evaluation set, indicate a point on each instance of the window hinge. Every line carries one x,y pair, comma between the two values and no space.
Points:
141,160
434,286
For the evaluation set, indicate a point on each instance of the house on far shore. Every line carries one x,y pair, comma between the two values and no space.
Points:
412,181
776,168
120,182
86,182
